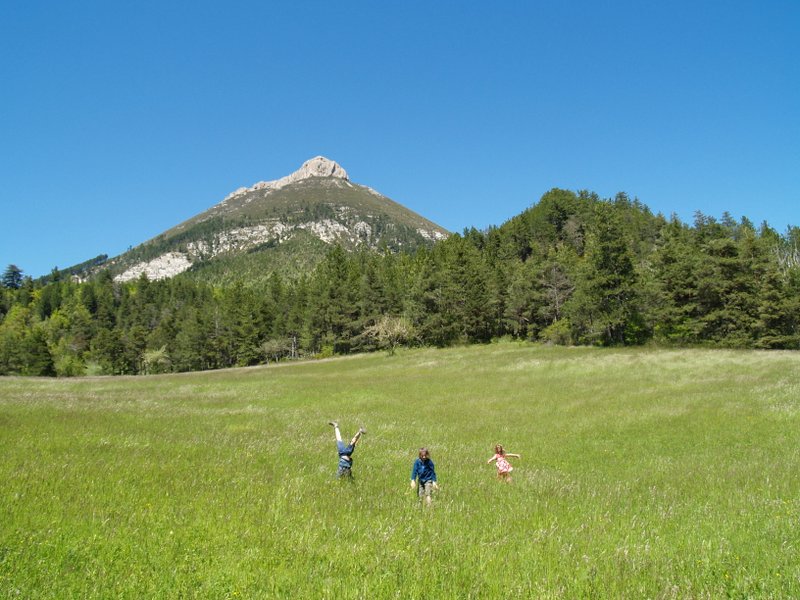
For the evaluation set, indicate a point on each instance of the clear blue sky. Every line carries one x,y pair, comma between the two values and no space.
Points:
120,119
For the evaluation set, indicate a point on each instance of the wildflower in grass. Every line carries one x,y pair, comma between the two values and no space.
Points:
504,467
345,451
424,471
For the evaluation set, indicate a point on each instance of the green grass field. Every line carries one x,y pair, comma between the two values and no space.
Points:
644,474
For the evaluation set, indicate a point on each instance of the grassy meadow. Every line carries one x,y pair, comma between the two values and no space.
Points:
644,474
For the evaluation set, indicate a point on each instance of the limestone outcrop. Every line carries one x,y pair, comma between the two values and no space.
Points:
319,166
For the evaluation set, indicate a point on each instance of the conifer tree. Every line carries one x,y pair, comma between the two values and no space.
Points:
12,277
603,308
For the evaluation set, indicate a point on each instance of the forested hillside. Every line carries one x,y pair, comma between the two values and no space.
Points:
572,269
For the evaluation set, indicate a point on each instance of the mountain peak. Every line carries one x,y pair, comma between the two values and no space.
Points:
319,166
282,225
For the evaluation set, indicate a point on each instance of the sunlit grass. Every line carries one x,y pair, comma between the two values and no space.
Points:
643,474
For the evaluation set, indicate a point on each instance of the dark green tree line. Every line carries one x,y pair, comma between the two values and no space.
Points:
572,269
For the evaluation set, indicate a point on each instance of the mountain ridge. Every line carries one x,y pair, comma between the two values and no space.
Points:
319,166
318,199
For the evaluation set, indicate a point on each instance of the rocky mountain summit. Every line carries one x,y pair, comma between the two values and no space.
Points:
319,166
278,225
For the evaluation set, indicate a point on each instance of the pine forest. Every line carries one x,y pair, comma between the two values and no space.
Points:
574,269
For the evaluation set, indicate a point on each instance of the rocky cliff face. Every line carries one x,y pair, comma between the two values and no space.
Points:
318,199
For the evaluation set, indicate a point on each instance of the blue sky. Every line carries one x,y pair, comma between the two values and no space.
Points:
119,120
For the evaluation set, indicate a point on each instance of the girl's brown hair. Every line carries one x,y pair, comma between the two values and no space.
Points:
423,453
498,449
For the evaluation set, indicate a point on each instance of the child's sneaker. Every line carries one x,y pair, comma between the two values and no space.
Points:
333,423
362,431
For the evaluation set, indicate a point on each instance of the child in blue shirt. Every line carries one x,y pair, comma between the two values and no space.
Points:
424,471
345,451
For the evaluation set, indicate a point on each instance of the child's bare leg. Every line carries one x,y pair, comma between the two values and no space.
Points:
336,430
357,436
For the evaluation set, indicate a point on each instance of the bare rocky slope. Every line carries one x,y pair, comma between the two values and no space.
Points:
274,224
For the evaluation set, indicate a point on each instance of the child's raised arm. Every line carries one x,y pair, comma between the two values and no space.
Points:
491,459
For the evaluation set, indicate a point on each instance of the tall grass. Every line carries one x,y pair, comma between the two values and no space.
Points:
660,474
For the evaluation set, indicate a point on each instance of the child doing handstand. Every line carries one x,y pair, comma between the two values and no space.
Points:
345,451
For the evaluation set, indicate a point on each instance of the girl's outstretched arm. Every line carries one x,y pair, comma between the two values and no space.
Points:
513,455
491,459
